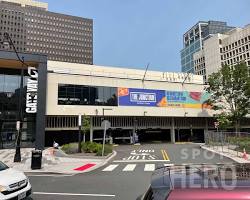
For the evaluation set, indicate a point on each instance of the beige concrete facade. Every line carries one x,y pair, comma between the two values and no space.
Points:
81,74
29,3
225,49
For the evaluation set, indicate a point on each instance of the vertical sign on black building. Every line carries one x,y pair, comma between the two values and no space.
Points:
32,88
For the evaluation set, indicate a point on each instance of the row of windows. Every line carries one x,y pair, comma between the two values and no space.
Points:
57,35
12,11
13,35
14,23
18,48
70,59
236,51
236,44
199,67
53,50
11,29
59,47
87,95
236,60
58,42
12,17
202,72
53,28
46,16
60,25
55,53
63,19
202,59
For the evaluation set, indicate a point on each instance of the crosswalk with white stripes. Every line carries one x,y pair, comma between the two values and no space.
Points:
132,167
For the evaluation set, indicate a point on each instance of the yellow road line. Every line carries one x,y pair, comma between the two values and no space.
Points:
163,154
166,155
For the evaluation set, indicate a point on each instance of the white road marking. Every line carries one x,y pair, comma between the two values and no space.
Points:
110,168
166,165
134,161
129,167
149,167
74,194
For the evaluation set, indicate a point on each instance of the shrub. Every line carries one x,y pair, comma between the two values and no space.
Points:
107,150
70,148
91,147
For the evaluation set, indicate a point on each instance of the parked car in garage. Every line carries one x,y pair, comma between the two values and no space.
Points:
13,184
200,182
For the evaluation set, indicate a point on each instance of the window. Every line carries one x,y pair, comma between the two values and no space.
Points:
86,95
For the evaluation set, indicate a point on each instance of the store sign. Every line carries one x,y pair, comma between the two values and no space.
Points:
32,88
139,97
142,97
162,98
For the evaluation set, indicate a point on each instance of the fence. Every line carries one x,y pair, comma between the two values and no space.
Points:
228,141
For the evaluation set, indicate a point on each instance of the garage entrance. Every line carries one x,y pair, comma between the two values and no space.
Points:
188,135
150,135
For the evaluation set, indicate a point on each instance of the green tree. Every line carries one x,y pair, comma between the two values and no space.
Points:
224,121
230,93
85,126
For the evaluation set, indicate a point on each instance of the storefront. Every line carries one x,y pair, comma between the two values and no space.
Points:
22,98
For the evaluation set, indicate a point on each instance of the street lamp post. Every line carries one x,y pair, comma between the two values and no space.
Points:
7,42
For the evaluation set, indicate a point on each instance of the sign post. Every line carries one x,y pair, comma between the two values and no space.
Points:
216,125
79,133
105,125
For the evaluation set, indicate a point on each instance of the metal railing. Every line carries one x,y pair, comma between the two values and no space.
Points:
228,141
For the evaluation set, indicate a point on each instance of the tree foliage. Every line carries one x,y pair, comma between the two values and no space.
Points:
85,124
230,93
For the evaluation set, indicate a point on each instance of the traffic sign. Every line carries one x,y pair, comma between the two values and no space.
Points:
105,124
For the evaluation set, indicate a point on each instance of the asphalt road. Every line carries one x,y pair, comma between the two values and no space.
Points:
125,177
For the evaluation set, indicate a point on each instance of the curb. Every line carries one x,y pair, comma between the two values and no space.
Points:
104,163
109,157
222,154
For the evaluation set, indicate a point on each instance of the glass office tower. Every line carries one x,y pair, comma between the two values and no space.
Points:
193,41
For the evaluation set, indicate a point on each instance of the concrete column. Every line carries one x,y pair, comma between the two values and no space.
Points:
172,131
91,129
41,106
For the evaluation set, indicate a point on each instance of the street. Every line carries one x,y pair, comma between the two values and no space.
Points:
127,176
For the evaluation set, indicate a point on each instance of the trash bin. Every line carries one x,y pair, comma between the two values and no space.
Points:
36,160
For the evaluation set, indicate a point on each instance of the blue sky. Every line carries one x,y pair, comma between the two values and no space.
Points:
132,33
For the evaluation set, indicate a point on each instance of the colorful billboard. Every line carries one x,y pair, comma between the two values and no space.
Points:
139,97
162,98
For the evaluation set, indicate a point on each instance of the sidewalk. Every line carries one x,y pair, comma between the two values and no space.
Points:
225,151
51,163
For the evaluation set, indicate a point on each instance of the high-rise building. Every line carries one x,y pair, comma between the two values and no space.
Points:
193,41
34,29
229,48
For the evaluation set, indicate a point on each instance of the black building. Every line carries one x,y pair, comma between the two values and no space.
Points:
33,121
33,29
